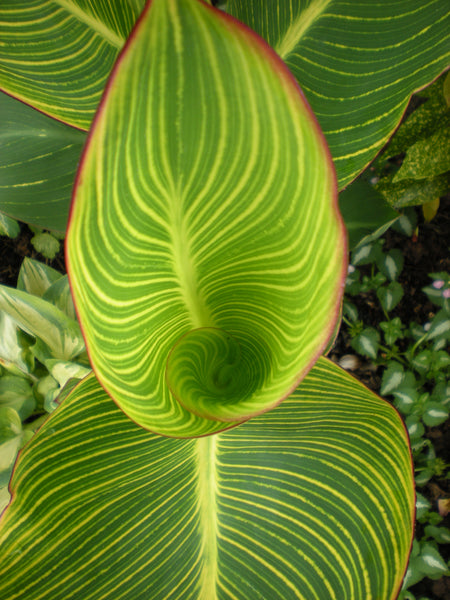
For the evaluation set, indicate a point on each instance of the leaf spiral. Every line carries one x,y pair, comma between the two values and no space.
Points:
209,231
214,376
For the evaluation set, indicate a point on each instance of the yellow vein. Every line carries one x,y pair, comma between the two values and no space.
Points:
207,492
299,26
92,23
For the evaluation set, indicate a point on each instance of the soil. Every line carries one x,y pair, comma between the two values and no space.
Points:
426,252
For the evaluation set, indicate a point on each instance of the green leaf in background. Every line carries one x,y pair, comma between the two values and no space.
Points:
12,355
46,244
429,563
412,192
59,295
423,121
218,235
36,277
16,392
357,62
312,500
435,414
367,342
427,158
74,45
390,295
41,319
38,161
391,263
9,227
367,215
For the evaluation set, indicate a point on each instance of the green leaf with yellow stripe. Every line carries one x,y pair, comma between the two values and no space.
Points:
205,250
38,163
56,55
357,62
313,500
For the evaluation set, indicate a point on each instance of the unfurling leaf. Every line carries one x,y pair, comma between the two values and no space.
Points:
218,238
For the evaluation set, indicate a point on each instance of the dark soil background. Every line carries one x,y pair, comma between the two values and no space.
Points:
424,253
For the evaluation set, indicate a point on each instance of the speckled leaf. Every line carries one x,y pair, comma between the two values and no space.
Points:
422,122
413,192
427,158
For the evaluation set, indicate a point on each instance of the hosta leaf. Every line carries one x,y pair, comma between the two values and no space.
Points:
59,295
16,392
210,233
36,277
8,226
12,354
357,62
38,161
312,500
57,54
44,321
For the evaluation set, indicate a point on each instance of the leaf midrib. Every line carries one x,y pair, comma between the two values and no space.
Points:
96,25
207,509
299,27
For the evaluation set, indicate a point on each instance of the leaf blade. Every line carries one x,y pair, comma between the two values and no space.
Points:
74,45
38,162
238,238
261,507
357,63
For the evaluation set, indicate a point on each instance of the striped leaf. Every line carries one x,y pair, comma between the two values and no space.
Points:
313,500
56,55
60,334
205,250
36,277
38,162
358,63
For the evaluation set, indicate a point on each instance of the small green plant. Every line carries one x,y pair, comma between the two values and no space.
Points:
415,366
37,359
426,559
45,242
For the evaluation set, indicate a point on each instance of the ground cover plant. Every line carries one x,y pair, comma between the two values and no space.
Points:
207,259
414,363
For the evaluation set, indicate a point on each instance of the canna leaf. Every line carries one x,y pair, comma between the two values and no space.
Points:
313,500
357,62
74,45
38,162
207,272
